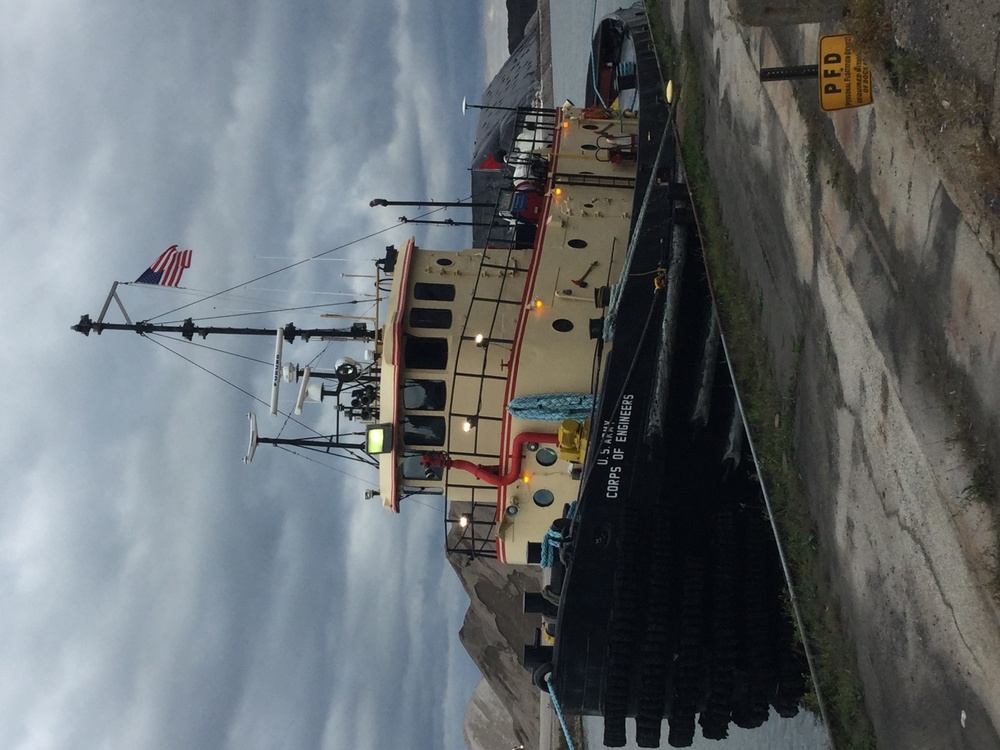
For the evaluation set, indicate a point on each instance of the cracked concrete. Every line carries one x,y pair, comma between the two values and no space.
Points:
880,290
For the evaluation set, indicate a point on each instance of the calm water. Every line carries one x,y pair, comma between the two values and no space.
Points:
573,22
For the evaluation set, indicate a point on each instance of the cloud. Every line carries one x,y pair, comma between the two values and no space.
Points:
495,35
156,592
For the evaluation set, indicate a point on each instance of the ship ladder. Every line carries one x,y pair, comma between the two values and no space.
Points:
594,180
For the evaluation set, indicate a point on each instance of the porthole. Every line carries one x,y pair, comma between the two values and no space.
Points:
546,457
583,171
444,261
511,510
589,126
562,325
543,498
588,205
589,147
577,244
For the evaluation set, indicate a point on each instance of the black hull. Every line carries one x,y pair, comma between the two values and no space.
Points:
670,602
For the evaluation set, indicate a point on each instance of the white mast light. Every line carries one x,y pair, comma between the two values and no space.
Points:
252,448
277,372
303,389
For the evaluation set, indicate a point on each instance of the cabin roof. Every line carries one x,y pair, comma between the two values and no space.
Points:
391,366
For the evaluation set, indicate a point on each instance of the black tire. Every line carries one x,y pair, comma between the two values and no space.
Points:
538,677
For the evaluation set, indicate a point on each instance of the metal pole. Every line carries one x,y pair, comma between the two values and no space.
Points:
446,204
445,222
188,329
789,73
466,106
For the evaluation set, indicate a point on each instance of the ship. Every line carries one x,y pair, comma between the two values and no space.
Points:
564,388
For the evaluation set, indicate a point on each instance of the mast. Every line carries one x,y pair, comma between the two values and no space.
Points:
442,204
188,329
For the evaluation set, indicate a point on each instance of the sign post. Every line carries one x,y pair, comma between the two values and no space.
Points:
845,80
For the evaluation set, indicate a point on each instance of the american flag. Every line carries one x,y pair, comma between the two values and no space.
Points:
167,269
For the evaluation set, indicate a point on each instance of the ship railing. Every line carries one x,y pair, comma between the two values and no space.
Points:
509,247
469,529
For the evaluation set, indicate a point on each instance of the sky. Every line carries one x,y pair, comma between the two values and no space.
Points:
154,591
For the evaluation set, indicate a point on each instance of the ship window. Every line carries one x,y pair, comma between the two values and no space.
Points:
546,457
543,498
413,468
577,244
419,429
430,317
445,262
432,291
425,353
589,147
562,325
411,490
424,395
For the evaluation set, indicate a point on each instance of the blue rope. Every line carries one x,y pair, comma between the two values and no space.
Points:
552,407
559,713
553,540
550,543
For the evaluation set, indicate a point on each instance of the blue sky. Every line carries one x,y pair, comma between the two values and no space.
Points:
154,592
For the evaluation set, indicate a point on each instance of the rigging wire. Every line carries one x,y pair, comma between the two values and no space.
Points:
296,263
267,312
325,465
313,361
154,338
213,349
593,62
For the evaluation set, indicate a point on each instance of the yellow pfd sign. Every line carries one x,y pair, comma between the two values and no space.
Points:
845,80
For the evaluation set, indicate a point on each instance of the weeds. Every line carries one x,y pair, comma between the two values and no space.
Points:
982,488
939,100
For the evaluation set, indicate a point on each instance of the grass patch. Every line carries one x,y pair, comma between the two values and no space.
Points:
771,414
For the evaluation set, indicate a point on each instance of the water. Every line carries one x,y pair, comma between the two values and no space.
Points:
573,22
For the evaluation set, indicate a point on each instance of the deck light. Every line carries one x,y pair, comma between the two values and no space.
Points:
538,304
479,339
378,439
557,192
463,520
526,478
469,424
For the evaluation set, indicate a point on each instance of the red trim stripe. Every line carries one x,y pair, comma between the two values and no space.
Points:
515,350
